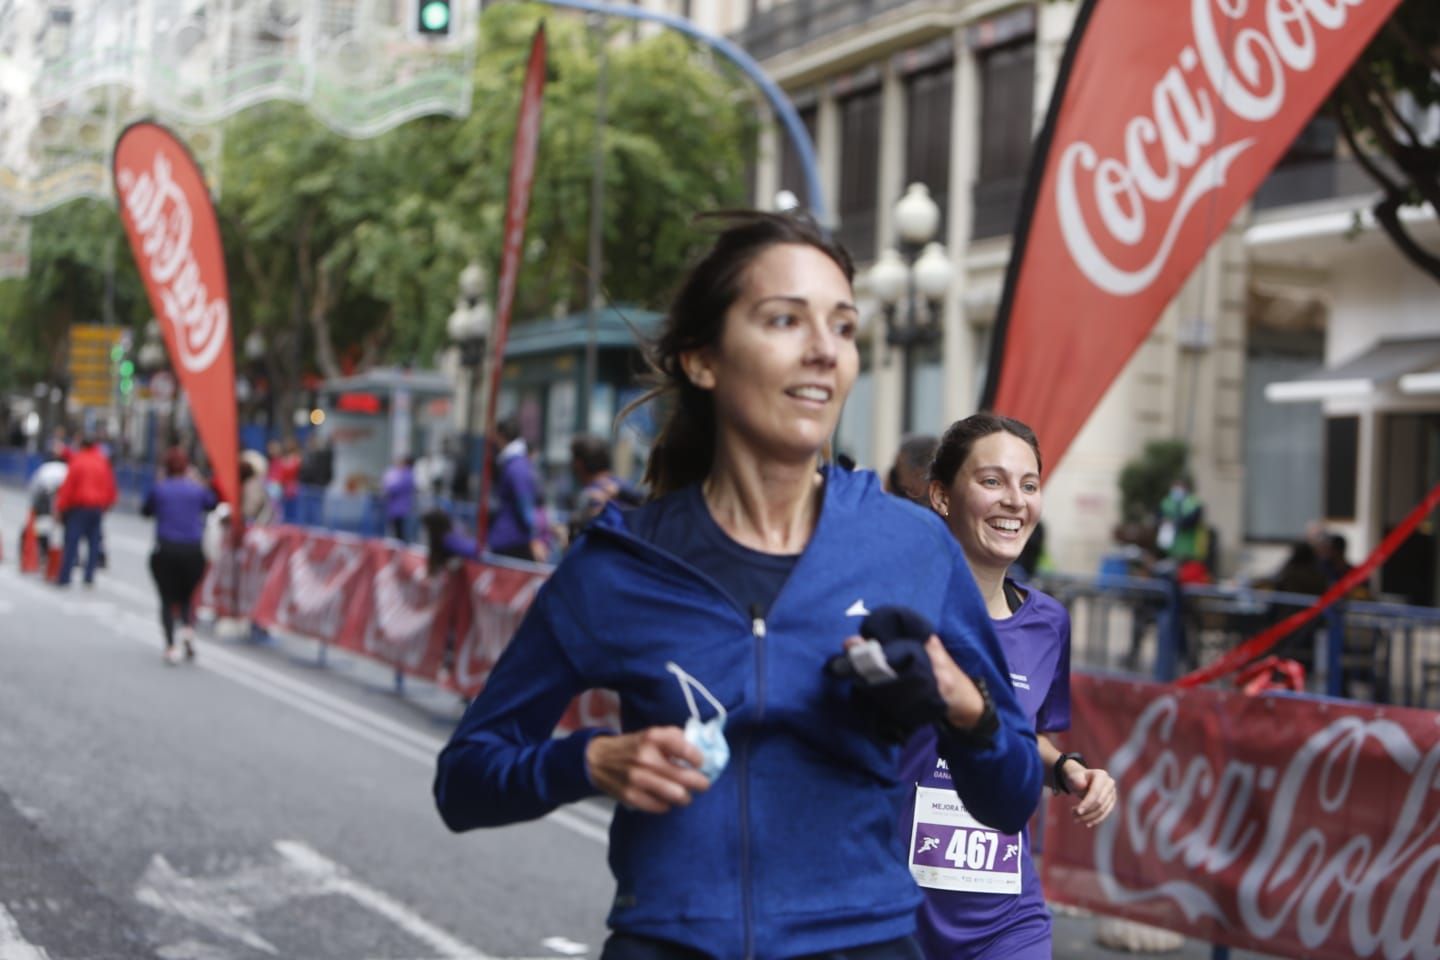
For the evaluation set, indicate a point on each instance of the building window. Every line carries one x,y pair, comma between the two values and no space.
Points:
1282,441
1342,449
792,174
859,171
927,133
1007,99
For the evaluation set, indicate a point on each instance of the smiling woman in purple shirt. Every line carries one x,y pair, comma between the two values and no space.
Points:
982,893
178,503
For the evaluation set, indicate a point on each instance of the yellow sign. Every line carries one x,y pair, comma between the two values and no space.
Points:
91,366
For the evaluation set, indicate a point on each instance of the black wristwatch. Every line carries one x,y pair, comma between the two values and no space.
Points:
1056,774
982,735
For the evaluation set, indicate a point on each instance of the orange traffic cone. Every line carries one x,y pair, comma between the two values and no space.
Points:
29,547
52,563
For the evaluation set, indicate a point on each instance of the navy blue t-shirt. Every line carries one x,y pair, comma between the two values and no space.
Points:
751,578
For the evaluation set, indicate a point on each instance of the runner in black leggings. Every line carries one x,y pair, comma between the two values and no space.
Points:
178,503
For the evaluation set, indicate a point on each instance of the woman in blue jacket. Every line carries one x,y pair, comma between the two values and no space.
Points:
757,804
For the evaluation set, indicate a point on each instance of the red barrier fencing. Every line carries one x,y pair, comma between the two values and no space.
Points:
378,599
1291,826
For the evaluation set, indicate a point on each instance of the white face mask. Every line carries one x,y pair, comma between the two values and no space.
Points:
707,735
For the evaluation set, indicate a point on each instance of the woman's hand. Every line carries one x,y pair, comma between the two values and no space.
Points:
1094,789
652,770
963,702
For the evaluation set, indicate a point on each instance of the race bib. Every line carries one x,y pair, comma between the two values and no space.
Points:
951,850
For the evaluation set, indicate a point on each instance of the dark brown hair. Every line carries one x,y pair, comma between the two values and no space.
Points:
960,439
176,462
684,448
592,452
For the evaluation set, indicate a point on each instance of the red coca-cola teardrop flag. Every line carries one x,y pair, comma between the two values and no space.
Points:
1165,118
170,220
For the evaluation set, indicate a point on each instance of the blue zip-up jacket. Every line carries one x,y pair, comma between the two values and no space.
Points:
795,847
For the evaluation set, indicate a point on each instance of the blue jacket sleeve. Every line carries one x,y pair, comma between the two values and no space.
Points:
999,784
502,764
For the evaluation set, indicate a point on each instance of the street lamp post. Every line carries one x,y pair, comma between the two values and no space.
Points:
911,284
469,328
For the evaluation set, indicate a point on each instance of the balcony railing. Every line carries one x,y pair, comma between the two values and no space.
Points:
794,23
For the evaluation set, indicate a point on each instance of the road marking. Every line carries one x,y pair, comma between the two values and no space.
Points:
335,880
589,820
12,945
565,946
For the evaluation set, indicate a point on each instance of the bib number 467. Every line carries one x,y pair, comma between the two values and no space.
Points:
973,849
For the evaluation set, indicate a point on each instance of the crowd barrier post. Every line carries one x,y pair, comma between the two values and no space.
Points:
1335,649
1169,633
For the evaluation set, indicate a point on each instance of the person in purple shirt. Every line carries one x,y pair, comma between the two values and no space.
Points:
982,892
445,541
178,503
398,488
516,529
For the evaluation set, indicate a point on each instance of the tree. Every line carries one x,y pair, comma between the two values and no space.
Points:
346,253
1386,110
79,258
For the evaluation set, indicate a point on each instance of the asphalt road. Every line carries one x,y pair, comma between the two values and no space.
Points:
258,803
249,805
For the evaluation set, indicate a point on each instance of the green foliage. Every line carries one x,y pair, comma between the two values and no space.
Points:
71,250
1145,480
345,251
1381,106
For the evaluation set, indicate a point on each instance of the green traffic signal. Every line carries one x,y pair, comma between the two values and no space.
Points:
434,16
127,368
116,352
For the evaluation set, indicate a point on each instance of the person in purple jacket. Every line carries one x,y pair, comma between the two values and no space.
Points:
178,503
982,892
515,530
398,489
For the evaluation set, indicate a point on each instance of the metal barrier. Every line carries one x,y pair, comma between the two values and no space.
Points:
324,508
1378,652
1362,650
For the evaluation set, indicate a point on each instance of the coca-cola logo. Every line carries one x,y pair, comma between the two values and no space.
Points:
160,214
404,614
497,604
1131,204
1281,852
320,575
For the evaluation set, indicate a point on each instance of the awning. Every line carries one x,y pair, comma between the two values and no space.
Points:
1383,363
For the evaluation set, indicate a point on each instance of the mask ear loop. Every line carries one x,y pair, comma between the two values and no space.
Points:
688,682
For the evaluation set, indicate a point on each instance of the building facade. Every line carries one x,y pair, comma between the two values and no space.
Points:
949,93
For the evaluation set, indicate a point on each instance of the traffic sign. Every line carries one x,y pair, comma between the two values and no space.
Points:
93,360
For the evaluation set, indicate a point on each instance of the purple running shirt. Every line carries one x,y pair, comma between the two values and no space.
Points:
982,893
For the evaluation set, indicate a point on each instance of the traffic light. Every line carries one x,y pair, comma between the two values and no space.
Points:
433,17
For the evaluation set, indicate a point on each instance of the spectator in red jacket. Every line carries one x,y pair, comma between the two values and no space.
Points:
88,491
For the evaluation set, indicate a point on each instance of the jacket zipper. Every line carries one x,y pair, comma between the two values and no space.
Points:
757,630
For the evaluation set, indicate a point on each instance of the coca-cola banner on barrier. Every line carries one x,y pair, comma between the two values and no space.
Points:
401,614
310,593
1290,826
1165,118
238,576
492,605
170,221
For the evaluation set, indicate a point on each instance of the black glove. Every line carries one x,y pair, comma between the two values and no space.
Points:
894,682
